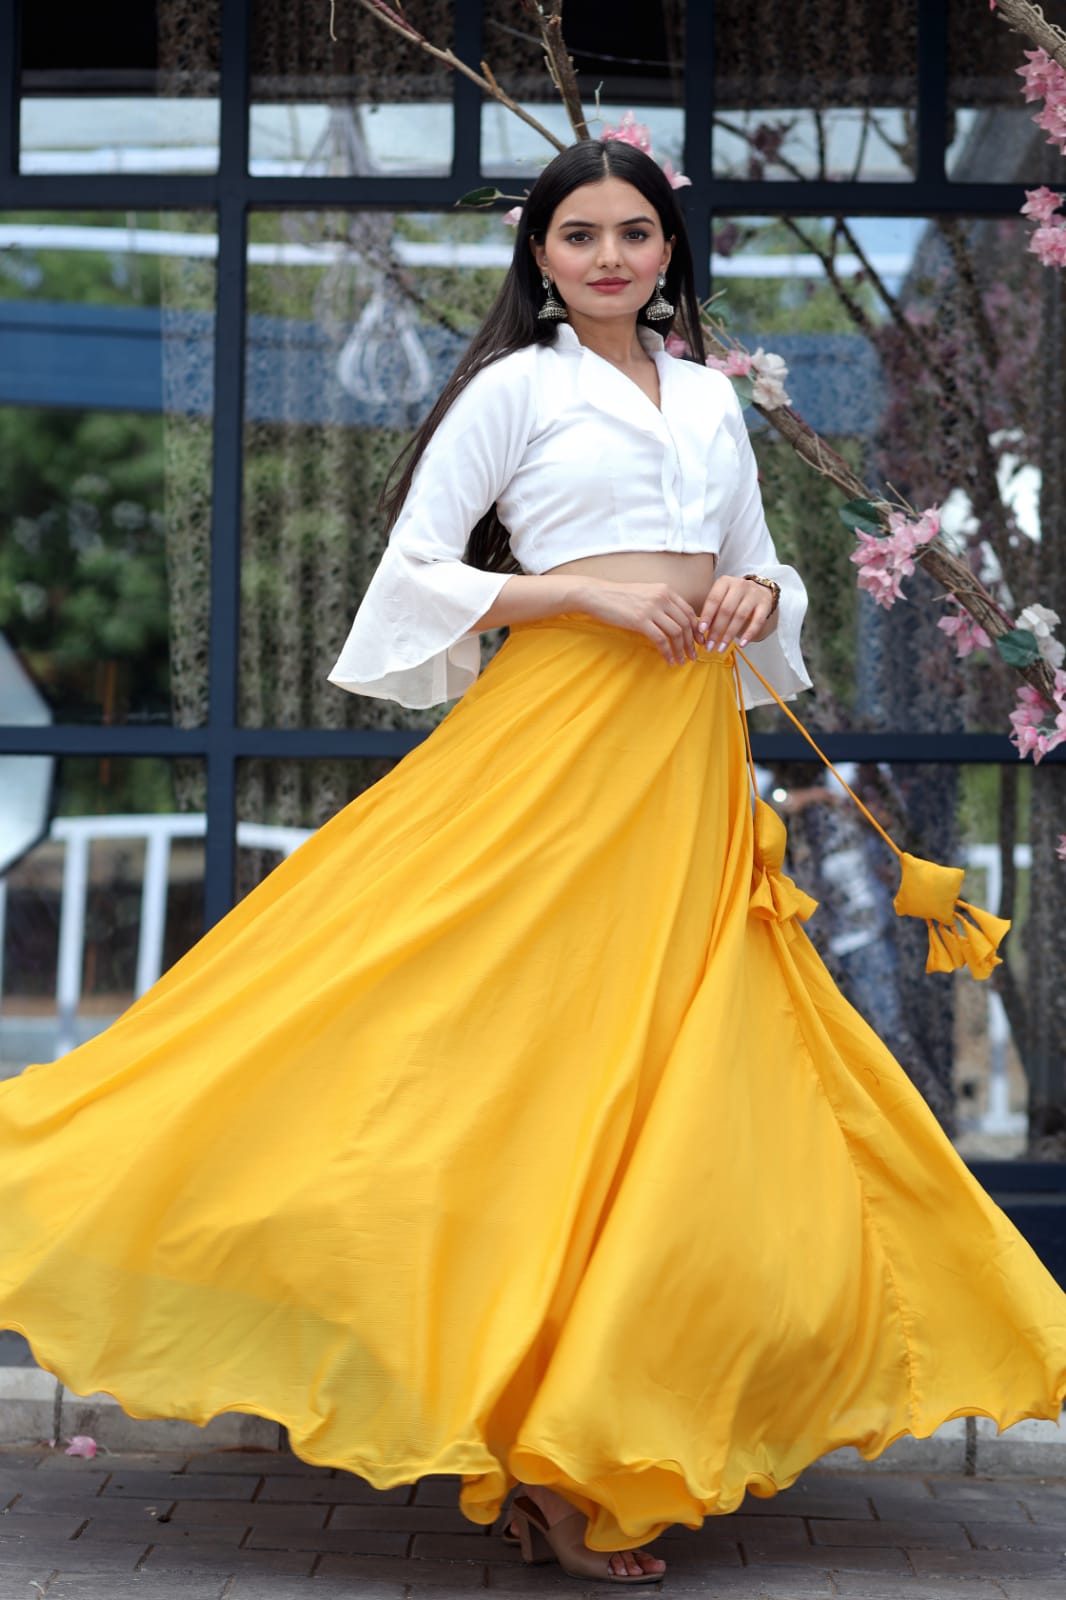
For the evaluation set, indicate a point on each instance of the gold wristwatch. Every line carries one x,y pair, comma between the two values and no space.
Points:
767,583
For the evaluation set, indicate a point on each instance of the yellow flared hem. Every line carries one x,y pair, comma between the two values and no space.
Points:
513,1129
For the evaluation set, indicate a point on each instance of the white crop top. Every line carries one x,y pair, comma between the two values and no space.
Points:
579,462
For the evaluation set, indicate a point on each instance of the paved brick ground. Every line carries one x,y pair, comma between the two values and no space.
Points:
244,1524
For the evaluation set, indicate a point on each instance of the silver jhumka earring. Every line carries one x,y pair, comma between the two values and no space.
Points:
658,307
551,310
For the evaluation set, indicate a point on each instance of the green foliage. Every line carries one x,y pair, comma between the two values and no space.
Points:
480,197
1018,648
83,592
861,516
789,305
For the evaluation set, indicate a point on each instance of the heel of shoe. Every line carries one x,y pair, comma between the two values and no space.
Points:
564,1542
534,1546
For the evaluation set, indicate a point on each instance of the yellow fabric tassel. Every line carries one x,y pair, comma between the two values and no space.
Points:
774,896
960,935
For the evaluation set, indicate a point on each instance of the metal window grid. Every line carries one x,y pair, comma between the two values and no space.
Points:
231,193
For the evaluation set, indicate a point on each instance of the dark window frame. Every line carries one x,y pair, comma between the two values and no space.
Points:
232,194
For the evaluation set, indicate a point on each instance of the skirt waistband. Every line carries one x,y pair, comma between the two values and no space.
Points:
581,622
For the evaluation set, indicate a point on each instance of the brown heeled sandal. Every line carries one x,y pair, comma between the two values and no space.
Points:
564,1542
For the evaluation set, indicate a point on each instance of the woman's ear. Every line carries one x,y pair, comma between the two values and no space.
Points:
539,254
668,250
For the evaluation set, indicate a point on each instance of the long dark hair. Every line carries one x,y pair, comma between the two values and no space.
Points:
512,320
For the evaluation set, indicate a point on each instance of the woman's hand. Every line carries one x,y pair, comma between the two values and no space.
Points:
735,608
653,609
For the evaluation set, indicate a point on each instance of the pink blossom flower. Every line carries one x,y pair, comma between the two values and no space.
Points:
630,131
1061,847
878,573
885,559
1053,121
1032,733
81,1445
513,217
1049,245
737,364
1043,77
968,634
675,179
1046,80
676,346
1041,204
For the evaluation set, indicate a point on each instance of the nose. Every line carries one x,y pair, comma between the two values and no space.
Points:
607,255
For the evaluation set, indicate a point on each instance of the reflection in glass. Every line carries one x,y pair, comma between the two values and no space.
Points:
355,322
927,354
627,59
953,1035
799,96
140,95
364,101
919,350
105,415
95,912
281,803
993,138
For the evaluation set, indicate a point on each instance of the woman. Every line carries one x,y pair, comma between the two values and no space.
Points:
512,1128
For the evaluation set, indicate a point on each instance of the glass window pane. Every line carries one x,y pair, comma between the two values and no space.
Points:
107,323
927,360
140,95
800,93
107,900
281,803
629,59
365,101
993,138
355,321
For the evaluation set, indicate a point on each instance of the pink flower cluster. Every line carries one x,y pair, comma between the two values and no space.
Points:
766,370
1046,80
1049,240
884,560
630,131
1032,734
967,634
737,364
1061,849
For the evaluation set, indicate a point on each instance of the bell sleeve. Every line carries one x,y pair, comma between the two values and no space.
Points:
414,638
748,547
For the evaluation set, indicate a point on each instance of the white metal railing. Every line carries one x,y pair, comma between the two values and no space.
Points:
998,1117
77,835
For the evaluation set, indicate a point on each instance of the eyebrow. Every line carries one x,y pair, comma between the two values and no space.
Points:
577,222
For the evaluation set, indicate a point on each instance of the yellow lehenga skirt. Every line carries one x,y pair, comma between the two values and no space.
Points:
504,1131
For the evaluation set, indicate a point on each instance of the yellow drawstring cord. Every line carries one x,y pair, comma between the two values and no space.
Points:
926,889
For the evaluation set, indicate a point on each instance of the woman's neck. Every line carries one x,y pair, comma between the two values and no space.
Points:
616,342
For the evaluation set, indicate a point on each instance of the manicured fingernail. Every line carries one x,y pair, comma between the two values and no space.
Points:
722,645
742,643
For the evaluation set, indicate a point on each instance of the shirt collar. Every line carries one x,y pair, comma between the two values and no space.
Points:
567,339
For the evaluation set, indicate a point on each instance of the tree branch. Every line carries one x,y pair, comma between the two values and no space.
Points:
1022,16
488,85
560,63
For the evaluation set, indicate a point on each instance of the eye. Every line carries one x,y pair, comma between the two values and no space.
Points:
638,233
577,237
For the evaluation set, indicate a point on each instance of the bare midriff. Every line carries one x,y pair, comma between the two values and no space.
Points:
690,572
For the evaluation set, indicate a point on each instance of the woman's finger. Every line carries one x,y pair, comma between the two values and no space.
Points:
685,617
